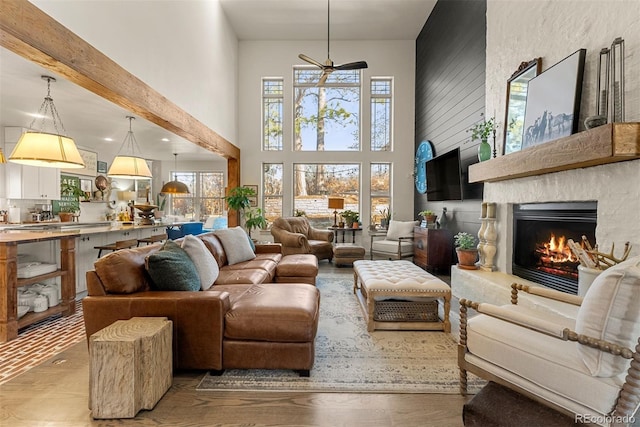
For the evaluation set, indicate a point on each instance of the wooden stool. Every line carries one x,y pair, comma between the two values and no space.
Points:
153,239
120,244
130,366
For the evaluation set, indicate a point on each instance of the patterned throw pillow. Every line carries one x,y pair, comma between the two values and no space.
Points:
171,269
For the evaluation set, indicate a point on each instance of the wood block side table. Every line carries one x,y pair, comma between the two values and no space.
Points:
130,366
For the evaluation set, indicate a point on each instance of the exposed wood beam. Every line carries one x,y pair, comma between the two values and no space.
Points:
34,35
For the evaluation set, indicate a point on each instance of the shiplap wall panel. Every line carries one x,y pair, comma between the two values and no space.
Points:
450,93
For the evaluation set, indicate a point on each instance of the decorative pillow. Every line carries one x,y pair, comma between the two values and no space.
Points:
171,269
236,245
399,229
611,311
204,261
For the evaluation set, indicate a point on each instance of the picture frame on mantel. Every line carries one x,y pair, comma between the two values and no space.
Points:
517,103
553,101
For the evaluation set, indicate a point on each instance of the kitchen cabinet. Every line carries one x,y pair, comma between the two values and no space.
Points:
32,182
432,248
86,256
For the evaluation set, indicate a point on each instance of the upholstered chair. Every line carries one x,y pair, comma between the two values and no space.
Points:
583,364
397,243
297,236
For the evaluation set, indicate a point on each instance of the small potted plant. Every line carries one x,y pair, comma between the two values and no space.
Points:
254,219
429,216
386,218
466,250
350,217
71,207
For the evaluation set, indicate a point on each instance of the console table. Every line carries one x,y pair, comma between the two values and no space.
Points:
432,248
344,231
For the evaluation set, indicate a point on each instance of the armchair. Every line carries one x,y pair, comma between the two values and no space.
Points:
577,366
397,243
297,236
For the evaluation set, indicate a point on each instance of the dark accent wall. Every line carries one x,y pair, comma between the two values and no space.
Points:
450,95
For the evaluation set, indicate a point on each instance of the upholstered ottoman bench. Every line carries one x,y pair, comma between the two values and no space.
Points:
272,326
400,295
347,253
297,268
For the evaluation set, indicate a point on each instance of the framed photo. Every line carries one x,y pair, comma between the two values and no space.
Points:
253,199
553,101
102,167
90,160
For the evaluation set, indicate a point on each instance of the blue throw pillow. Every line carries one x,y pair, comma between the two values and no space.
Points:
171,269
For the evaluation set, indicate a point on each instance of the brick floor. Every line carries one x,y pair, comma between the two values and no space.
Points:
39,342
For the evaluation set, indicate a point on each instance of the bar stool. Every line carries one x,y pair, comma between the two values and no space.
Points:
153,239
120,244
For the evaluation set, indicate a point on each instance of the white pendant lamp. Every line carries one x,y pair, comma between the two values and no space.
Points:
175,186
127,164
40,148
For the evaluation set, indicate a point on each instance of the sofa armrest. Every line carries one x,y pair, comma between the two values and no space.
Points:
198,321
268,248
537,325
545,293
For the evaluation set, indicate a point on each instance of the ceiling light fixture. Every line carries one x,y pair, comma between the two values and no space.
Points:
175,186
127,164
2,158
40,148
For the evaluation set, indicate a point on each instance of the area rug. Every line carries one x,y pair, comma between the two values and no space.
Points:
350,359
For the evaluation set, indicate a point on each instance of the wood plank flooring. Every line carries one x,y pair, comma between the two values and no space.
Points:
55,393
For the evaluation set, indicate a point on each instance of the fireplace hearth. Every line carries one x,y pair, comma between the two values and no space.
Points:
540,249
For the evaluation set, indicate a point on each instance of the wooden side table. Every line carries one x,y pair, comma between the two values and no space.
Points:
130,366
432,248
344,231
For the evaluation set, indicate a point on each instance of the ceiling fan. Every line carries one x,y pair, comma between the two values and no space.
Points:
328,67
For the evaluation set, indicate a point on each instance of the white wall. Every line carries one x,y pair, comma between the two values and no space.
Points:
520,31
186,50
260,59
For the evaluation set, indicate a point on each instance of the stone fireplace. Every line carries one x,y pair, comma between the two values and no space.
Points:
541,236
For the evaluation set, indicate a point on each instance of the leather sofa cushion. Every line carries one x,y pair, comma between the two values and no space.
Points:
215,247
276,313
123,272
266,264
228,276
298,265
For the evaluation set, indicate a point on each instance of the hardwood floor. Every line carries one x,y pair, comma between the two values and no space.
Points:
55,393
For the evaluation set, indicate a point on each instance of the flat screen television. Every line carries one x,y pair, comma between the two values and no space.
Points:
444,177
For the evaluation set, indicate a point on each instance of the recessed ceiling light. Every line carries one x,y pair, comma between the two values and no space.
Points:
108,139
165,139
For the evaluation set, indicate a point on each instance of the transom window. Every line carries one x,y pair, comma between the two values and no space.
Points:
381,97
272,113
326,118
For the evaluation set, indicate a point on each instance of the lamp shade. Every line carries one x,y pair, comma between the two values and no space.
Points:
128,167
175,187
336,203
2,158
46,149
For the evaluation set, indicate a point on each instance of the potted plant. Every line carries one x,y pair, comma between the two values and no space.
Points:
482,130
71,207
238,199
429,216
350,217
254,219
386,217
466,250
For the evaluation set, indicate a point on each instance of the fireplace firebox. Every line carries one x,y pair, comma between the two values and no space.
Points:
540,235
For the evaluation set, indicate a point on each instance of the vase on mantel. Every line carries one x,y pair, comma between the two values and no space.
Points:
484,150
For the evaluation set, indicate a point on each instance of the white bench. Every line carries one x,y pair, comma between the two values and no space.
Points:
399,295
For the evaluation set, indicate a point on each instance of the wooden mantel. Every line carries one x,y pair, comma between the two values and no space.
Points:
614,142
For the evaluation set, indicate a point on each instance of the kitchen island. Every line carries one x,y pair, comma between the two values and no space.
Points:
74,253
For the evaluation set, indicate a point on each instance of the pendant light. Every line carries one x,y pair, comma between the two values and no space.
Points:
40,148
175,187
127,164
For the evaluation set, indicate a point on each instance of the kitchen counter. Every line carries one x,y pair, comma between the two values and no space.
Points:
78,228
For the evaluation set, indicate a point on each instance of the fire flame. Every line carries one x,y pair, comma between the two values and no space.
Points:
556,251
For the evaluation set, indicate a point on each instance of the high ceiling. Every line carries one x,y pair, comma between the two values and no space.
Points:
89,119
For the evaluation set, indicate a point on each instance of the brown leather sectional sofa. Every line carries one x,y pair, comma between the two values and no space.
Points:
243,321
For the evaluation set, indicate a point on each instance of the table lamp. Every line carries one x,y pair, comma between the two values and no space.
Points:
336,203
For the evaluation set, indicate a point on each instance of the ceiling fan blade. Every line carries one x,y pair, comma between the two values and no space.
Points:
323,78
352,66
310,60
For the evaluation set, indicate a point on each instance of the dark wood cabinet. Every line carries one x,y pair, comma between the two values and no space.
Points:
432,248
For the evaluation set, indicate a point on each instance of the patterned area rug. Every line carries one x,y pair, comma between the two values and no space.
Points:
350,359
